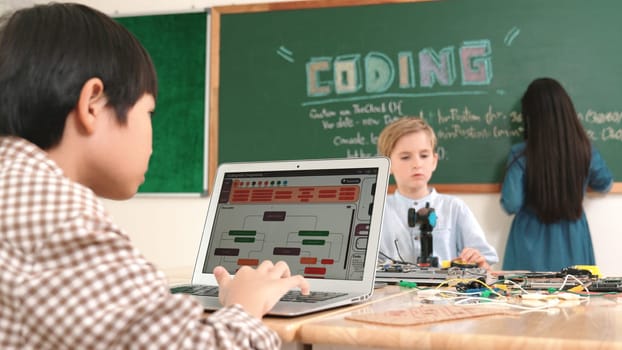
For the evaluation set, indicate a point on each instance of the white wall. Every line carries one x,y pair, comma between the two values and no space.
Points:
168,229
137,7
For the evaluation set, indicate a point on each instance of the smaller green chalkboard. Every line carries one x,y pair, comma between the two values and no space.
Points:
177,45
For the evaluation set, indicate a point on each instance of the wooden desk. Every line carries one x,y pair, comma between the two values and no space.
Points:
288,328
597,325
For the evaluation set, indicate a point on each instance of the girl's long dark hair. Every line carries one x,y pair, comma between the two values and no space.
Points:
558,152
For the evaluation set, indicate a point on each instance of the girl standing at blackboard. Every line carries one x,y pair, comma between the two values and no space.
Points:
545,182
410,143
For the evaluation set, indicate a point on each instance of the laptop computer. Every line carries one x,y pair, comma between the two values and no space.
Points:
322,217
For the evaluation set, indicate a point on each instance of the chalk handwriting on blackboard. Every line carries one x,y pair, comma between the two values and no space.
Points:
360,125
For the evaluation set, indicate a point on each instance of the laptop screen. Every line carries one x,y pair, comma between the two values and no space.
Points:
315,220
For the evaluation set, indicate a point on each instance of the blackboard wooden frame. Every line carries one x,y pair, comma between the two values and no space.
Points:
215,76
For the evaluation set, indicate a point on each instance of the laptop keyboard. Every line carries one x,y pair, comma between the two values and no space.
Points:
291,296
210,291
313,297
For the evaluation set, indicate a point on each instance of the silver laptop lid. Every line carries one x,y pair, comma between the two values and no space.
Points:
322,217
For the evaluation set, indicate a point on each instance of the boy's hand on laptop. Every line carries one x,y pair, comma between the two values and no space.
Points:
257,290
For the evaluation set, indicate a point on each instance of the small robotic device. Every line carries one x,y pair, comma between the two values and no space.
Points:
426,218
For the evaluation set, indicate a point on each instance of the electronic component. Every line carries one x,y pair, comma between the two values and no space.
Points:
551,283
610,284
412,273
593,269
577,271
462,264
392,268
426,218
567,278
428,276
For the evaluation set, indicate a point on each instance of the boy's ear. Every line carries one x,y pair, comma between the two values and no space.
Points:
435,161
91,102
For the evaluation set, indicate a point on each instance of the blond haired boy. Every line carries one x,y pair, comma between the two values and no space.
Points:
411,143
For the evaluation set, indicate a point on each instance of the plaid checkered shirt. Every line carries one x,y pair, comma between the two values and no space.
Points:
71,279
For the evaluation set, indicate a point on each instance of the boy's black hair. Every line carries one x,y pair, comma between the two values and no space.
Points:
48,52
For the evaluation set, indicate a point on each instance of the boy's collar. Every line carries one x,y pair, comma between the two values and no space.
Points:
429,197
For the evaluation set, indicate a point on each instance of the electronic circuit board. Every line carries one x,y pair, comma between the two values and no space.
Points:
426,275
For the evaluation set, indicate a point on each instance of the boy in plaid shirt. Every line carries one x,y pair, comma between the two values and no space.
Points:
77,92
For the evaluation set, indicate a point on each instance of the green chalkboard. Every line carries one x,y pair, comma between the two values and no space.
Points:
177,45
322,78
